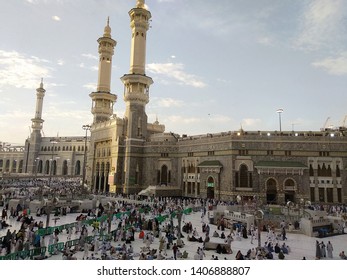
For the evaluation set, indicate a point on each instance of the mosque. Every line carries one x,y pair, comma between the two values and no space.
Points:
129,155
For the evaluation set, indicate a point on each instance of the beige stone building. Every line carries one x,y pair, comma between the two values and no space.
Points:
129,155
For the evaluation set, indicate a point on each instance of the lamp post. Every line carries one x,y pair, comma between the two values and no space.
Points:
259,216
179,213
280,111
37,162
85,127
51,165
239,199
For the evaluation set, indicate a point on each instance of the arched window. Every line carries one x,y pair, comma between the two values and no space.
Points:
319,170
65,168
338,174
47,167
289,182
329,173
311,170
14,166
324,171
20,170
244,176
78,168
271,191
40,167
54,167
164,175
7,166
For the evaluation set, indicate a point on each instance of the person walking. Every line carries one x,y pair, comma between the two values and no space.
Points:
86,251
330,250
323,250
318,250
174,250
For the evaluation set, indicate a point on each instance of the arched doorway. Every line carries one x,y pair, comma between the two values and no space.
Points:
65,168
78,168
210,188
271,191
289,190
163,175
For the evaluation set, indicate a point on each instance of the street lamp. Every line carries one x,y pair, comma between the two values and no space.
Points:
179,213
259,216
280,111
51,165
85,127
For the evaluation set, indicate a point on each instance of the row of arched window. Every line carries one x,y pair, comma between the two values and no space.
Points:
11,165
103,152
49,168
324,171
63,148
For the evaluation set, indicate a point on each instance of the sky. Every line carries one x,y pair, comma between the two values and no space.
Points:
217,66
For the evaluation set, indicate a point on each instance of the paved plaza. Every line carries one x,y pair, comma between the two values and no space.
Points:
300,245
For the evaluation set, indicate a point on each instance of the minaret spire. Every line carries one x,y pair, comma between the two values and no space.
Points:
140,4
103,99
107,29
37,121
137,83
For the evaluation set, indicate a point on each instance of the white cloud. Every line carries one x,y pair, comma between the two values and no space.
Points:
175,71
90,56
220,119
60,62
179,120
57,111
167,102
334,65
90,86
265,40
250,123
21,71
56,18
322,23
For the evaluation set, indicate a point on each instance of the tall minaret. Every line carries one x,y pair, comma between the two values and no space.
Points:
136,96
136,83
37,121
32,145
103,99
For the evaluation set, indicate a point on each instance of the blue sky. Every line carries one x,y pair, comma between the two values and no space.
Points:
216,65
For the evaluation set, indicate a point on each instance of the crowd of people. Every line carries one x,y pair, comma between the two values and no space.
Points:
134,219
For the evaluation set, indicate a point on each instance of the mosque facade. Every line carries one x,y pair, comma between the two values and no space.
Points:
129,155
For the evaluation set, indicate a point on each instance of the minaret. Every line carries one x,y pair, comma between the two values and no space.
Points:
32,145
103,99
136,96
37,121
136,83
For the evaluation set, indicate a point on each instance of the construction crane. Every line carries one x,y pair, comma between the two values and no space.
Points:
343,125
324,128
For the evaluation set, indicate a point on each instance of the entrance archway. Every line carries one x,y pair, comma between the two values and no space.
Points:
289,190
271,191
210,188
